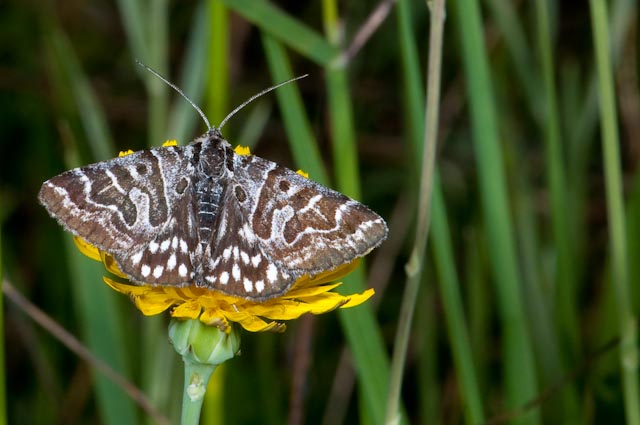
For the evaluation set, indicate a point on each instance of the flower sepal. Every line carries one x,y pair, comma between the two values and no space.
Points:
199,343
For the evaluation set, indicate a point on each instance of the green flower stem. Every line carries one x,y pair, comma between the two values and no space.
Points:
196,378
202,349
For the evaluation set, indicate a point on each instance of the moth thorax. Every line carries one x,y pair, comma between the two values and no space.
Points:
212,160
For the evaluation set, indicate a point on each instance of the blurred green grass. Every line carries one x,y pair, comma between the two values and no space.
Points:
521,281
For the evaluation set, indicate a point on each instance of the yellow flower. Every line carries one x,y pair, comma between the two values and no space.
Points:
308,295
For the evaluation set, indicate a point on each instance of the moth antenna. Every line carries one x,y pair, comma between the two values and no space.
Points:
232,113
176,88
255,96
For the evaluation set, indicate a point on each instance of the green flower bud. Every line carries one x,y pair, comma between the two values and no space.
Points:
199,343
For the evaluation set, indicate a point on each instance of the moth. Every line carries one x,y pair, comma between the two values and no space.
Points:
203,215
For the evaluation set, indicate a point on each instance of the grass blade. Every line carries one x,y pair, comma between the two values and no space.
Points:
146,27
132,13
452,298
413,90
633,228
565,275
441,239
359,325
519,367
102,327
92,118
182,117
301,139
367,347
345,155
156,26
218,69
415,267
100,321
615,212
514,38
284,28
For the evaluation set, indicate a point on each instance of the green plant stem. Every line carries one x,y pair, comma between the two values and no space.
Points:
286,29
301,139
133,17
345,156
449,286
359,326
157,43
92,117
513,33
565,308
414,267
196,378
103,333
413,90
564,281
448,281
518,360
622,17
615,211
193,78
218,75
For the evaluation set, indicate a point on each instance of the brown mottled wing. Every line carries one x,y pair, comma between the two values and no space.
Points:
235,262
126,206
301,226
277,226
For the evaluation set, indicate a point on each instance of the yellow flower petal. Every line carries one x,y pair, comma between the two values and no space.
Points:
216,319
249,322
124,288
309,291
111,265
242,150
357,299
87,249
189,310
